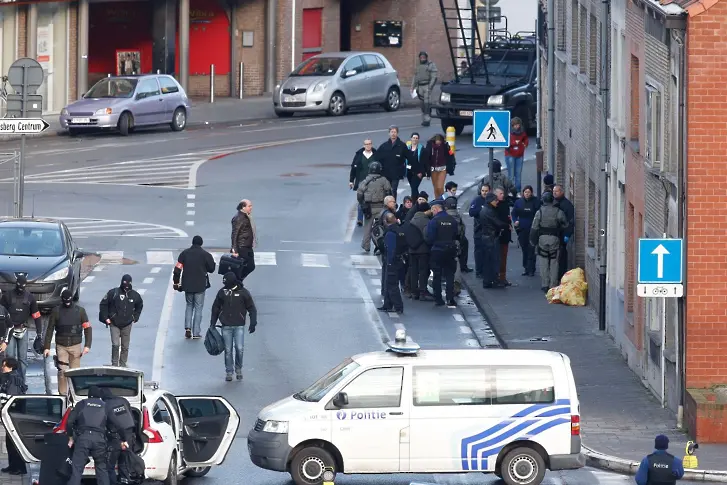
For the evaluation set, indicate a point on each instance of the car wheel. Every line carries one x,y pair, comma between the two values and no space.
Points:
393,100
284,114
197,472
522,466
179,119
172,477
337,105
523,113
308,465
126,124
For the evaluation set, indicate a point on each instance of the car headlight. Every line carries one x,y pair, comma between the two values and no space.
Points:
64,112
320,86
61,274
103,111
444,98
497,100
275,427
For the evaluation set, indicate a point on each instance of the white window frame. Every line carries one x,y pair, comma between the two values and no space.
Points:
654,127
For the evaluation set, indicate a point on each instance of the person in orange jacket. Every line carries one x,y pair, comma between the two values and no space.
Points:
516,151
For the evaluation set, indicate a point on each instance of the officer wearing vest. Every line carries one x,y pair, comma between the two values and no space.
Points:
548,224
442,234
125,422
72,326
21,306
660,468
87,425
119,308
391,263
425,78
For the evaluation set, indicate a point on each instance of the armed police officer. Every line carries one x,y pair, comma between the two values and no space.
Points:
21,305
371,194
441,234
660,467
391,264
72,326
119,308
193,267
122,425
490,228
423,83
88,423
548,224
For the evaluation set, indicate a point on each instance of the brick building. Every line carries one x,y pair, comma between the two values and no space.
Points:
80,41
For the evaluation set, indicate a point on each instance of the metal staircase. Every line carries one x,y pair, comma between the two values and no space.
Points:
463,36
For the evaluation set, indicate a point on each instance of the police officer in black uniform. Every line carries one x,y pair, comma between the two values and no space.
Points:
660,468
119,308
21,306
391,263
124,426
88,424
5,322
442,234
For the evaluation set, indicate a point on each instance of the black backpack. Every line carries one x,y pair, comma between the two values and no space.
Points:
377,234
137,468
214,344
414,237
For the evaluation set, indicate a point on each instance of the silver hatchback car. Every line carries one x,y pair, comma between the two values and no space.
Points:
336,81
124,103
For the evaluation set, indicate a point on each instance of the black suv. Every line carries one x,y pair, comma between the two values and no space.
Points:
45,252
503,78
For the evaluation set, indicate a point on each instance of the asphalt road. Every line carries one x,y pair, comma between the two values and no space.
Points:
315,291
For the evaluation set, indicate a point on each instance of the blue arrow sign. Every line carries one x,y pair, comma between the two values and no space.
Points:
491,129
660,261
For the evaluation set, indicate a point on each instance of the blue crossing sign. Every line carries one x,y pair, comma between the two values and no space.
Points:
661,261
491,129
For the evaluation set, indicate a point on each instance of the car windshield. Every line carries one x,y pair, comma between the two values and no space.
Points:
501,68
112,88
119,385
26,241
319,66
323,386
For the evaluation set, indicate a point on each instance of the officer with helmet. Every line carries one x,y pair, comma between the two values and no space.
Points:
21,306
371,194
123,426
71,325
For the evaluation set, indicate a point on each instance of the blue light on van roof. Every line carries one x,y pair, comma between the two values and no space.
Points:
403,344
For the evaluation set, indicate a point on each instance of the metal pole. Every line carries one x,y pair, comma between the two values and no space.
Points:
82,68
551,85
184,44
271,35
32,31
159,71
21,174
487,22
242,79
16,184
490,165
233,47
538,122
293,10
212,83
603,213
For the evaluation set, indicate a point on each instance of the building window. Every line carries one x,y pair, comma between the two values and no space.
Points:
653,149
562,16
574,38
635,98
592,215
583,41
593,50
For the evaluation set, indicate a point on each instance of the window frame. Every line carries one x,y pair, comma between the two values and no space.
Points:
148,94
522,369
360,59
171,81
654,123
345,385
486,381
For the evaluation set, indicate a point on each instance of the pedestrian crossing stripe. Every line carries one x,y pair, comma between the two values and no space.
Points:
491,133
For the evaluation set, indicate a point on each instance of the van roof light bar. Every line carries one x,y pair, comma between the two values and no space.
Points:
402,344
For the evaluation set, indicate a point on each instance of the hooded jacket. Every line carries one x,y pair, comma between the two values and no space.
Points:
232,305
420,221
360,167
449,160
193,266
518,141
121,305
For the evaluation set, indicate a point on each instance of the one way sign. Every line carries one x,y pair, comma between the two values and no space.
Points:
491,129
660,261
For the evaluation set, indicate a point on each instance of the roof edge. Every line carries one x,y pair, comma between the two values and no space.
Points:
700,6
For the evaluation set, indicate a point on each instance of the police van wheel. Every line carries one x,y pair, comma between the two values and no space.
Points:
309,464
523,466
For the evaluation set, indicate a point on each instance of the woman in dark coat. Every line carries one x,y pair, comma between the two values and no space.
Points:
416,164
360,169
440,163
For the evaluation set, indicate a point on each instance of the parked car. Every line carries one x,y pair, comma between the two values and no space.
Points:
337,81
44,251
123,103
178,436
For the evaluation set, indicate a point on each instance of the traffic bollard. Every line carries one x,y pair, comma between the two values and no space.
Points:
451,138
212,83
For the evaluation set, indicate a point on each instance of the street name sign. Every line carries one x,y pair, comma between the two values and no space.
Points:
661,266
491,129
22,126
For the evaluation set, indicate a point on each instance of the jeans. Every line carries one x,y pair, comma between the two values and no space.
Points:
515,170
193,312
234,341
120,338
491,262
18,349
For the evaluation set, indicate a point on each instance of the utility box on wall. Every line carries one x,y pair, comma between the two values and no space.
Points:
388,33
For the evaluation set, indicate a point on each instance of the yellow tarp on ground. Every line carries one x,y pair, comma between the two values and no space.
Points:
572,291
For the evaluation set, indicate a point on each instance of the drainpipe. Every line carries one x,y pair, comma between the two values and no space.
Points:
681,40
271,34
184,44
603,210
82,65
550,21
31,48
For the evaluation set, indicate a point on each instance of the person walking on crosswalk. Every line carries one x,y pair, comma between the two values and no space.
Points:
193,267
244,238
118,310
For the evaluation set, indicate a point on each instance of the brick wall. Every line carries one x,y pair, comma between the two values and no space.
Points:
251,17
706,297
199,86
22,29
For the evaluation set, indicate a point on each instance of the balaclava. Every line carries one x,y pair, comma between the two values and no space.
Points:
426,57
20,283
126,282
66,298
197,241
229,280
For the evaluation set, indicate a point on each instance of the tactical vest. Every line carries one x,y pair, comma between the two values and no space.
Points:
120,407
660,469
549,221
69,324
19,307
93,416
422,74
446,233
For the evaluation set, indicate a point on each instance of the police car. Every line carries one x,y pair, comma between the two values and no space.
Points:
177,436
514,413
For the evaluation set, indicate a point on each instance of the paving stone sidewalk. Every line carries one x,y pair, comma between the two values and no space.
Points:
620,417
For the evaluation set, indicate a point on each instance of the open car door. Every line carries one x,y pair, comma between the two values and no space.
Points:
27,419
209,426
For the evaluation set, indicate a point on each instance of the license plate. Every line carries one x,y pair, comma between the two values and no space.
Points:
81,120
466,113
288,99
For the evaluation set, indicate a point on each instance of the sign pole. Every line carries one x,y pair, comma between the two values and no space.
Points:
21,174
492,162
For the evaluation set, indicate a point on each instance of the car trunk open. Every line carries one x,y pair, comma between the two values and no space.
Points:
123,382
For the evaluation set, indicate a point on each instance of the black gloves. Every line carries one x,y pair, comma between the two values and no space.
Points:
251,328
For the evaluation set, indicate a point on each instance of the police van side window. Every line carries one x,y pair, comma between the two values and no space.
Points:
451,386
523,385
375,388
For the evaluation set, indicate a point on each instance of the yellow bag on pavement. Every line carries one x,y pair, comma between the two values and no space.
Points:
576,275
572,290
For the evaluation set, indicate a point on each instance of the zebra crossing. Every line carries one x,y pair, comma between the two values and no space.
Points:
81,227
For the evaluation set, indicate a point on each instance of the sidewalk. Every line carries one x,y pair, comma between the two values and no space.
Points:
619,416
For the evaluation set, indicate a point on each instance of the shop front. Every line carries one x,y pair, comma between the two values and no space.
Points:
52,49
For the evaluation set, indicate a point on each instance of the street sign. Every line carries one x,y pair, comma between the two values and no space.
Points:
660,261
22,126
491,129
26,75
660,291
33,106
495,14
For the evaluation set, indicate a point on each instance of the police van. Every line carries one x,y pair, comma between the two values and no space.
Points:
514,413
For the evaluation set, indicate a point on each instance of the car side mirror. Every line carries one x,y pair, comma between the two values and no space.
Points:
350,73
340,400
77,254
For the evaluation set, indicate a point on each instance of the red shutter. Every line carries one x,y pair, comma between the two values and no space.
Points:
312,32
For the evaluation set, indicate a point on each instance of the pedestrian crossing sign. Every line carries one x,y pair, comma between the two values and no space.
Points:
491,129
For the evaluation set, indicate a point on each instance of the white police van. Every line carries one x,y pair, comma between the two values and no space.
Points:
514,413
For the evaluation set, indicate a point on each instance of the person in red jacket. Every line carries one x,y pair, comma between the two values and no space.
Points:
516,151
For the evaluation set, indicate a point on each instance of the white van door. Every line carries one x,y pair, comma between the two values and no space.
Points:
368,429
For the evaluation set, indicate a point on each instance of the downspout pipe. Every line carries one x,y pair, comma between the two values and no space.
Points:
682,40
605,138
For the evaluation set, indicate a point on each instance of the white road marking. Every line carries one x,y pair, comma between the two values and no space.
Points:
265,259
472,343
467,160
365,261
463,329
112,257
370,308
372,272
98,268
191,196
375,281
141,291
308,260
148,281
88,279
190,213
189,223
393,315
159,257
190,204
162,330
350,225
399,326
155,270
81,226
458,317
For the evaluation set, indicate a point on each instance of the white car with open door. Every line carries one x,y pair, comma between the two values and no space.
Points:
177,436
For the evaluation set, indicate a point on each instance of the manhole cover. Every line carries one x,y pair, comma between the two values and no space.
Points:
294,174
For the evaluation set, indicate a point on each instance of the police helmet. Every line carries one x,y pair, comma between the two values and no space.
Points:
547,198
450,203
375,167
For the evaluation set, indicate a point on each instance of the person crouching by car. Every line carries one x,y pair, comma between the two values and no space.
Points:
359,170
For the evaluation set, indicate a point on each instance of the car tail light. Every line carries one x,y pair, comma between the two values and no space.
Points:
152,434
575,425
61,427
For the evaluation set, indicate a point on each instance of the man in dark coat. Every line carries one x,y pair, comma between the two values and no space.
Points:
193,267
360,169
393,155
12,384
570,215
244,238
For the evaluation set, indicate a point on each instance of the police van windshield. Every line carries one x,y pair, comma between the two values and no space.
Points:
323,386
